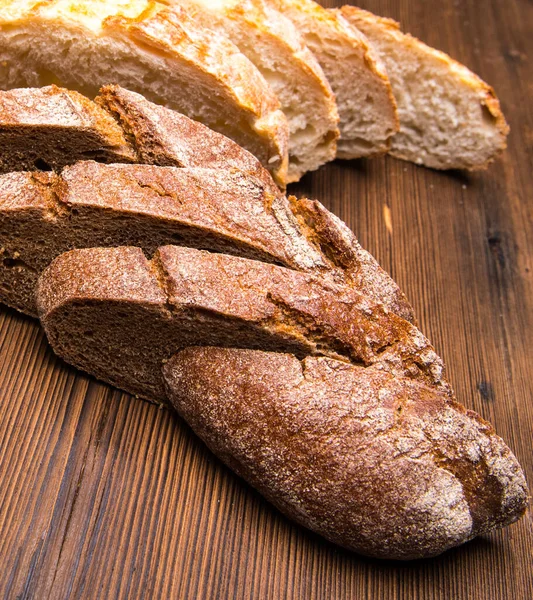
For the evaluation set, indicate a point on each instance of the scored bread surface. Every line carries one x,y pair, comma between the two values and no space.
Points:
151,48
377,463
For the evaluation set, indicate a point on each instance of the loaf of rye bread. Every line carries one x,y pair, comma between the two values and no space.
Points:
363,441
117,315
379,463
120,316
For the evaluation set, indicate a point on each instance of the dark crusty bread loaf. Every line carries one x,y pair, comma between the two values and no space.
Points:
300,234
50,127
90,204
381,464
117,315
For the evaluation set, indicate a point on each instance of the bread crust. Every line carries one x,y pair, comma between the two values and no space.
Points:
165,137
119,126
351,262
90,204
382,465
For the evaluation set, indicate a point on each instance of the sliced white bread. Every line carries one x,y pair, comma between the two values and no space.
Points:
274,45
449,117
149,48
365,101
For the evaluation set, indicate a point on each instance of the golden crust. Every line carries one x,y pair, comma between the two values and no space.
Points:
269,23
173,32
256,20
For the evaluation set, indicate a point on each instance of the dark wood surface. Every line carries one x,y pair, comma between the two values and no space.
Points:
104,496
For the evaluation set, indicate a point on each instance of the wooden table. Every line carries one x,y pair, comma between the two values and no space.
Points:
105,496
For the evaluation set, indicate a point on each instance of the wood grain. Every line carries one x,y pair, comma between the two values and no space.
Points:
104,496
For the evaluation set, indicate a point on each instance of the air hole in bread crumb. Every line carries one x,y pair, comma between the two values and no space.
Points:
487,115
42,165
12,263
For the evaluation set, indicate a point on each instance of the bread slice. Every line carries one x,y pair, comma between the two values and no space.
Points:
149,48
365,102
274,45
165,137
449,117
115,314
50,127
379,464
90,204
